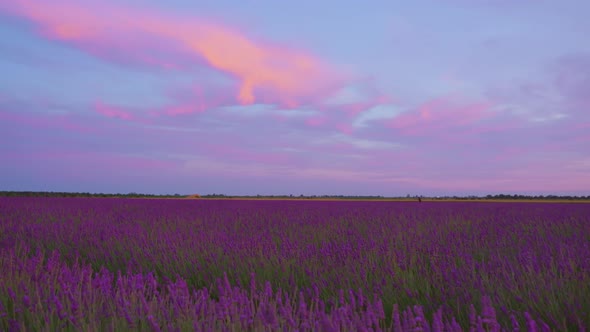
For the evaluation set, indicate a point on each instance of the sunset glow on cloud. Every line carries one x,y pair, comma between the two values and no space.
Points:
121,96
135,33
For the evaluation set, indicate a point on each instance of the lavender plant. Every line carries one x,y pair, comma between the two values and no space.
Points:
119,264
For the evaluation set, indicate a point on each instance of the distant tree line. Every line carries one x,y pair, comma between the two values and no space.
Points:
137,195
547,197
513,197
80,194
352,197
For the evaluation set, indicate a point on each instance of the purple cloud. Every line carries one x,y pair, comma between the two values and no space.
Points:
238,107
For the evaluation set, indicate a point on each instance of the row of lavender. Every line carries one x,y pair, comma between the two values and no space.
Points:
43,293
292,264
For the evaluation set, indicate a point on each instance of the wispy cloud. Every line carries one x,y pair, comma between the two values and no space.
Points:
43,121
440,115
112,112
135,34
255,71
107,87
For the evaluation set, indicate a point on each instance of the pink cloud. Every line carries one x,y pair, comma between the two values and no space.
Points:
345,128
47,121
264,72
354,108
512,169
141,116
440,115
183,105
316,121
104,166
502,166
339,115
112,112
290,74
231,153
197,99
414,170
187,108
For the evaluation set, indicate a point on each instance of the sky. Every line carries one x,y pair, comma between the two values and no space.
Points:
331,97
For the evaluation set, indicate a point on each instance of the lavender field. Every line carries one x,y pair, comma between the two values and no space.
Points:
84,264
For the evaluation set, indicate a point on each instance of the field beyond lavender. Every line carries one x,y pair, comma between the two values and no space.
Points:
84,264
